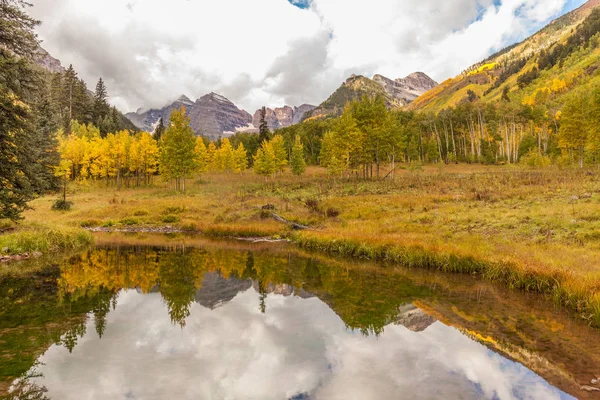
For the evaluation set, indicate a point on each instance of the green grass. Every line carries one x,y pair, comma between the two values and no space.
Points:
44,239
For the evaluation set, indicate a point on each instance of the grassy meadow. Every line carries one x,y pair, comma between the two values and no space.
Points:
535,230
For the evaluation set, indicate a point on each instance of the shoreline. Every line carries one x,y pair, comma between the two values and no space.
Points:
554,285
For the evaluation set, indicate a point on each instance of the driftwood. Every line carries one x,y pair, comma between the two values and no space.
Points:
260,240
294,225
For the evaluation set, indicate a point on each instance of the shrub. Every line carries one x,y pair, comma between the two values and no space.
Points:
332,213
264,214
62,205
90,223
534,159
312,205
169,219
174,210
129,221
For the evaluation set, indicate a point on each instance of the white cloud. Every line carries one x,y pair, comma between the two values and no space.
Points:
270,51
298,346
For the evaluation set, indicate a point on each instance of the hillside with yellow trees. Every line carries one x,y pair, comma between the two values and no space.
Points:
542,69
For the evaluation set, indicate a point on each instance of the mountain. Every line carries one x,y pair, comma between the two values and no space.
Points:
408,88
413,318
217,291
396,93
46,61
212,116
146,120
282,117
540,63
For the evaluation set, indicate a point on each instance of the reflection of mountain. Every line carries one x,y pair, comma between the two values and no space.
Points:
413,318
283,289
216,290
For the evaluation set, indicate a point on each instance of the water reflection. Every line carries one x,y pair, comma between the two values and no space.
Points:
218,322
299,347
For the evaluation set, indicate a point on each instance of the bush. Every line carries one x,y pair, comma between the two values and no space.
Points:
535,159
312,205
90,223
62,205
174,210
129,221
332,213
169,219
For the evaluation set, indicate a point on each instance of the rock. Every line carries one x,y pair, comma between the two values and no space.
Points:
590,388
46,61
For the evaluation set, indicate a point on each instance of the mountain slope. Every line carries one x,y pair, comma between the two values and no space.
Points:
211,115
396,93
520,70
146,120
282,117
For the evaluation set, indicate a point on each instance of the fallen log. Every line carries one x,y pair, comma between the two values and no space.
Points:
294,225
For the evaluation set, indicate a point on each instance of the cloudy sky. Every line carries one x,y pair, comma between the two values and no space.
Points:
275,52
299,346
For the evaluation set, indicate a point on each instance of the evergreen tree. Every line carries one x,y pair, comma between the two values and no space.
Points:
69,82
297,162
101,107
20,90
264,133
159,130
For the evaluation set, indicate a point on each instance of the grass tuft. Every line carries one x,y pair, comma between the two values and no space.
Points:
44,239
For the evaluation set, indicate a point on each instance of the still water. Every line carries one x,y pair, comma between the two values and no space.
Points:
181,318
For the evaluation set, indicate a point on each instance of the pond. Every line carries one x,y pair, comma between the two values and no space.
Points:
157,317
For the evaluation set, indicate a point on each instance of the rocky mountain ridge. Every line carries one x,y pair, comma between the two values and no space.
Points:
396,93
216,116
282,117
211,115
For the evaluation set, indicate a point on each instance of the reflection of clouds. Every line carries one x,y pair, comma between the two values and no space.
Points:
299,346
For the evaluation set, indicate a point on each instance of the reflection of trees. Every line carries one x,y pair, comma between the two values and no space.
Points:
24,389
69,339
178,276
366,300
101,310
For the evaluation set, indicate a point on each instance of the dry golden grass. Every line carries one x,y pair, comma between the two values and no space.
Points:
538,230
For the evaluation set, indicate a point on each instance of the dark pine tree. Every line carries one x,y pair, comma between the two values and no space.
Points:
263,130
100,108
22,145
159,130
